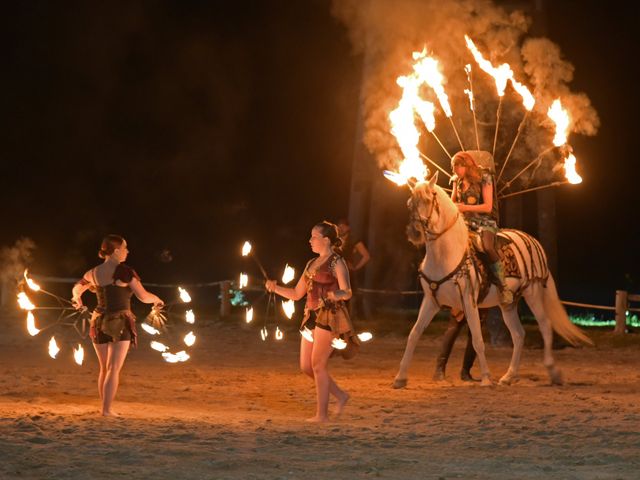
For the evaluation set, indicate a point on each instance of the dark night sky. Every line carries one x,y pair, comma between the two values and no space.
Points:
194,125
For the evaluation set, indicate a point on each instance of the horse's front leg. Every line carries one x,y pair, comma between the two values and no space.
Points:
428,309
473,319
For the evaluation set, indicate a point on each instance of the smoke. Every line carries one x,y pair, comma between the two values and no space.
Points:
14,260
386,33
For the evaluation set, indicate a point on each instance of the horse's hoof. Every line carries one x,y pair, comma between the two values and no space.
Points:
486,381
438,376
556,376
399,383
509,379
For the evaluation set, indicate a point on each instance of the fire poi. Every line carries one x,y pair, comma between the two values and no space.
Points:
436,222
288,306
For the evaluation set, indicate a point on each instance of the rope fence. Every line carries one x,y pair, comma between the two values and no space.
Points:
621,307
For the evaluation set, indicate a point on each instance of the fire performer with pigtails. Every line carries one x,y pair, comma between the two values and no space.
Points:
475,195
113,326
325,282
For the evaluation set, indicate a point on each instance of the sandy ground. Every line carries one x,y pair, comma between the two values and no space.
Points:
237,410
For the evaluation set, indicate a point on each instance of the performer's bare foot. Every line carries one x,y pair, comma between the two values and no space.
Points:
342,401
318,419
110,414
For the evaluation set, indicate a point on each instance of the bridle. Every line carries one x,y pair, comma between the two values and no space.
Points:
430,234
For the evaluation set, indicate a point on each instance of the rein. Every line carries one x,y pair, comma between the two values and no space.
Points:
431,236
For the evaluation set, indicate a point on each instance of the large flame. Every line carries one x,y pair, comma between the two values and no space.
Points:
189,339
53,348
244,280
249,315
190,316
288,275
528,99
31,325
403,127
24,302
570,170
78,354
246,249
500,74
184,295
428,70
289,308
32,285
560,117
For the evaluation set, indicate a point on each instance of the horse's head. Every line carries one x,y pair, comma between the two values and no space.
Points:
432,212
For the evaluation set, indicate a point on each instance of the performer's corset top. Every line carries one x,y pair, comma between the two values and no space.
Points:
112,298
321,281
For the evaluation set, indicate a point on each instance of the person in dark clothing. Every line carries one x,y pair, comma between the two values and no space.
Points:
113,327
456,323
357,256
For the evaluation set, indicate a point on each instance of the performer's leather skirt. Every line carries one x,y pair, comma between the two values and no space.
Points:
113,327
333,317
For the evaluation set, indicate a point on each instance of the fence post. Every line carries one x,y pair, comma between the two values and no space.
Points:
225,299
622,304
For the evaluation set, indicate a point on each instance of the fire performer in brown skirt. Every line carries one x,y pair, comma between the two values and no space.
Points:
325,282
113,326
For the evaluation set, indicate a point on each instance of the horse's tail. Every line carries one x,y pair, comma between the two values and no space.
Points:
559,319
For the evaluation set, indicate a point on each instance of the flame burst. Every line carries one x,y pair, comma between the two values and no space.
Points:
570,170
500,74
32,285
24,302
53,348
78,354
249,315
288,275
246,249
190,316
189,339
184,295
428,69
244,280
403,127
289,308
264,333
560,118
31,325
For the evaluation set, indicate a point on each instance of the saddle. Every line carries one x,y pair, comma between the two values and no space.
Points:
481,262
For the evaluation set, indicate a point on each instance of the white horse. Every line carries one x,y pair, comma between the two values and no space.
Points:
450,276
